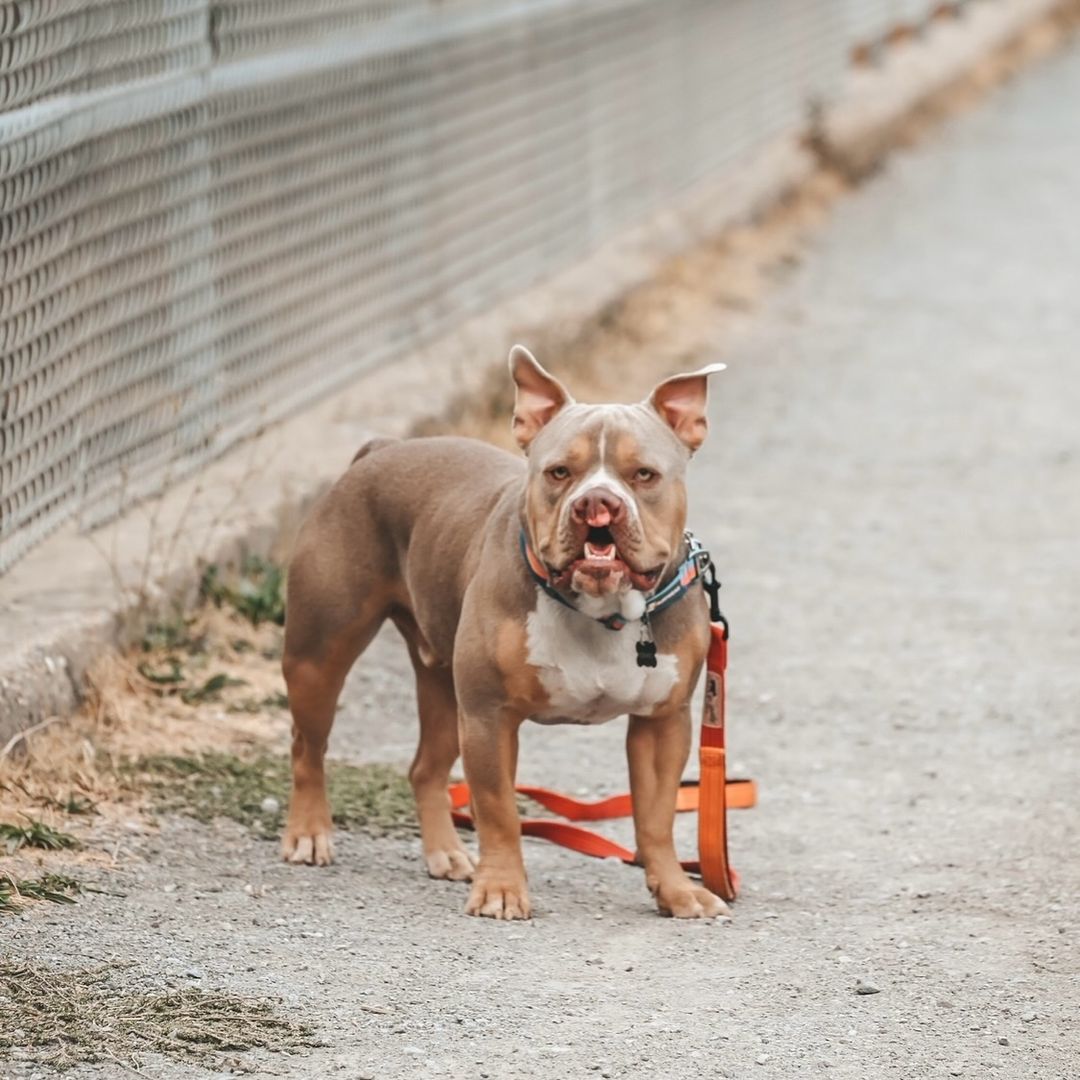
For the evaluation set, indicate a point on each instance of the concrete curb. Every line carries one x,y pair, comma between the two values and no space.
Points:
860,129
74,597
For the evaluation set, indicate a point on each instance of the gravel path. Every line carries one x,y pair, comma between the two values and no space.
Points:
893,493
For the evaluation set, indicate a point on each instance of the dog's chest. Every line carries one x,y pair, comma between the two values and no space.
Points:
590,673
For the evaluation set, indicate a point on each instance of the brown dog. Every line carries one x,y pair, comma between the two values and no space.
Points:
508,580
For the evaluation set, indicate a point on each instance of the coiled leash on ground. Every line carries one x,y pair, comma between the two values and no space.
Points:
711,795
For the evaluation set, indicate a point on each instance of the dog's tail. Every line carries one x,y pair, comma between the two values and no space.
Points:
376,442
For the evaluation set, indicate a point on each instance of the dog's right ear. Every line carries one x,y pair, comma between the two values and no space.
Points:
539,395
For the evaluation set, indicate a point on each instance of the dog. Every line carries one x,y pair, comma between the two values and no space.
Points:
521,588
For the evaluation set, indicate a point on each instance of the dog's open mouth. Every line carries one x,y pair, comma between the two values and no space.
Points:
600,559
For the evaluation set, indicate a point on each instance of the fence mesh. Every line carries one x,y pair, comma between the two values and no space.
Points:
212,214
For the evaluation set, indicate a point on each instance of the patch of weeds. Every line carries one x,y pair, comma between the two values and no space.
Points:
173,634
66,1018
170,674
256,591
169,678
276,700
210,690
56,888
36,834
374,798
73,805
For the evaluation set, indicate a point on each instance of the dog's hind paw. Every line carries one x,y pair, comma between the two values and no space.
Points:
454,864
688,900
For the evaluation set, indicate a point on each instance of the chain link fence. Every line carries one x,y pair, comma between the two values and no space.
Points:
214,213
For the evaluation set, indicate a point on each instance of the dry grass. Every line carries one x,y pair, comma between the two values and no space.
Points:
199,681
194,720
206,681
65,1018
676,321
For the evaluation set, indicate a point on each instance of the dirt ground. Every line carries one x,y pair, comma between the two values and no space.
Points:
892,493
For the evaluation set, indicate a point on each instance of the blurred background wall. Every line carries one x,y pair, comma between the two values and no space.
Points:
214,213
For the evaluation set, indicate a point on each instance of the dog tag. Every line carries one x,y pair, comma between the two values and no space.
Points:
646,654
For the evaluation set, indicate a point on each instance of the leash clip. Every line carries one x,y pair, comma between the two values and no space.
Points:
711,584
706,570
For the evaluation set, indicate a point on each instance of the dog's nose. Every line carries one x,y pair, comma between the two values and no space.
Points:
598,507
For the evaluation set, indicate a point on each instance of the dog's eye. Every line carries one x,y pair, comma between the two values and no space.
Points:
643,475
559,472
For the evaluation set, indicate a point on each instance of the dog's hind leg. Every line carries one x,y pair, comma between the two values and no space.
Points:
322,641
436,752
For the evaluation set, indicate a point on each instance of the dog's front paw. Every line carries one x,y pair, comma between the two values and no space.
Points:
685,899
307,837
313,848
499,896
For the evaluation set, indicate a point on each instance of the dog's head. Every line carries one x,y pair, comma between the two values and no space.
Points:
605,506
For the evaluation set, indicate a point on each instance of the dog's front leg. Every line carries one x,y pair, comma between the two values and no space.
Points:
657,748
489,748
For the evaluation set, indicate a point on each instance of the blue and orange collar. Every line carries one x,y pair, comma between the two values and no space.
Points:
691,570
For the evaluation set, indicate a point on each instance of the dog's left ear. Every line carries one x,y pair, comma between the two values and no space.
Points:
681,402
539,395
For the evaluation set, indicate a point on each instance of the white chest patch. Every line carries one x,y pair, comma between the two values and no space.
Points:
590,673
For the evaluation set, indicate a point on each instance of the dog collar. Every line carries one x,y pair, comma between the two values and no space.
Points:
694,567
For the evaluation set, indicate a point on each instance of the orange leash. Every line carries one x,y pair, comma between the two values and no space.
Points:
711,796
716,872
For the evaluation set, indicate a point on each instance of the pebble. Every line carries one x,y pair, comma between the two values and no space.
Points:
270,805
1003,1041
761,1059
862,987
1029,1017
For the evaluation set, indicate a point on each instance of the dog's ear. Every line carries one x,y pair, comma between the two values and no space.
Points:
681,402
539,395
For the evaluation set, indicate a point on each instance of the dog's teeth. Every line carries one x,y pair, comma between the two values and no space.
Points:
593,552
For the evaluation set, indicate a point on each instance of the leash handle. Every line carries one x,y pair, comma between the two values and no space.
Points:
716,872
